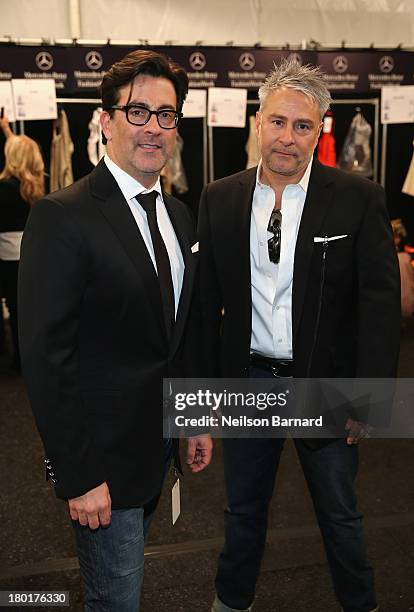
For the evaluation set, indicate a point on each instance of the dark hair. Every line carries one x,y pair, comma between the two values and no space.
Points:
142,62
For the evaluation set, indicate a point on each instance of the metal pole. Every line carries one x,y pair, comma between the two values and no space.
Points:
384,154
211,152
376,137
79,101
205,152
75,19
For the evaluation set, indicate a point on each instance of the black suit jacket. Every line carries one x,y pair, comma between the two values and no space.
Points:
93,342
345,312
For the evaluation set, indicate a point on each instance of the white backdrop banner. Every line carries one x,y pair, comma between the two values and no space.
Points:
244,22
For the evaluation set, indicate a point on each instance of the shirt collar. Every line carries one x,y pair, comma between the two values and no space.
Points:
303,183
129,186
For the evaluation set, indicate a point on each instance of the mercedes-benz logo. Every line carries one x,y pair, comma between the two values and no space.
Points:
247,61
44,60
93,60
386,63
340,63
296,57
197,60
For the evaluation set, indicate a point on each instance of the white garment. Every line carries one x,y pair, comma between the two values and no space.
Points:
10,245
130,188
408,186
61,174
271,284
96,150
252,146
356,152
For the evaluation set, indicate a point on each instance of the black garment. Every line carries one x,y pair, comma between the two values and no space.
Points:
93,342
345,324
8,275
2,330
13,209
345,302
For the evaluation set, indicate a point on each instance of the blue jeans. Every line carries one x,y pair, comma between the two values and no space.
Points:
250,468
111,559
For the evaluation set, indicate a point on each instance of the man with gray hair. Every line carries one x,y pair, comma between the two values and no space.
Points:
298,278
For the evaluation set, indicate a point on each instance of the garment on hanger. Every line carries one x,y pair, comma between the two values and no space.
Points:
96,149
408,186
252,146
407,285
356,152
406,268
173,173
61,174
327,146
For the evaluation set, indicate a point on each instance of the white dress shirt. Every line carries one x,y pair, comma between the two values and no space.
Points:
272,283
130,188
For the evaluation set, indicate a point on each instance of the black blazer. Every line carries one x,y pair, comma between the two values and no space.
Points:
13,209
345,312
93,342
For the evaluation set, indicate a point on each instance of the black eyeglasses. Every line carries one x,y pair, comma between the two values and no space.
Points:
273,244
140,115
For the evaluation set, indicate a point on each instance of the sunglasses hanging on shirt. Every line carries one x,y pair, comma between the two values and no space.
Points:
275,227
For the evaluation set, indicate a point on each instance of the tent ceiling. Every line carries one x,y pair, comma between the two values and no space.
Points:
272,22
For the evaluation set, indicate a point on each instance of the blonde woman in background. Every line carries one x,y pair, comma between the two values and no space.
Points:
21,184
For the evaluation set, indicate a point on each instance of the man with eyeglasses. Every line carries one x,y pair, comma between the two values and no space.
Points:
298,278
107,310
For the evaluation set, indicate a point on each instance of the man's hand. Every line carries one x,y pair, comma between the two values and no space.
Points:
357,431
199,451
93,508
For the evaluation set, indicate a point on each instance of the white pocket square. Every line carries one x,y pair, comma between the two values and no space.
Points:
328,238
194,248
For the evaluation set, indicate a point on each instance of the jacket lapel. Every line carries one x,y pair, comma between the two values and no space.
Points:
318,199
235,221
242,200
189,273
117,212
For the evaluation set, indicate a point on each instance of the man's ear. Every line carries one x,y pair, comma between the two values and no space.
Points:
106,120
258,122
320,128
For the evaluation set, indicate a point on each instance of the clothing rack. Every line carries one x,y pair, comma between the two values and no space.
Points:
354,102
98,102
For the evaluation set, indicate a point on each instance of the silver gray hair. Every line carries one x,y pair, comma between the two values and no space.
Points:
308,79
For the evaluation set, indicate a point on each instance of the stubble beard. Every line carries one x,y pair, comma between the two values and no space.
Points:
277,168
151,166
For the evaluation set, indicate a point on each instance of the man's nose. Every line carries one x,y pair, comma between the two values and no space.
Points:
287,135
152,125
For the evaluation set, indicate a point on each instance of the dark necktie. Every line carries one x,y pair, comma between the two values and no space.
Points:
148,203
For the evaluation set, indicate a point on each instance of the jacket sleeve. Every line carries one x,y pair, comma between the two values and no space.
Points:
379,302
52,284
210,293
